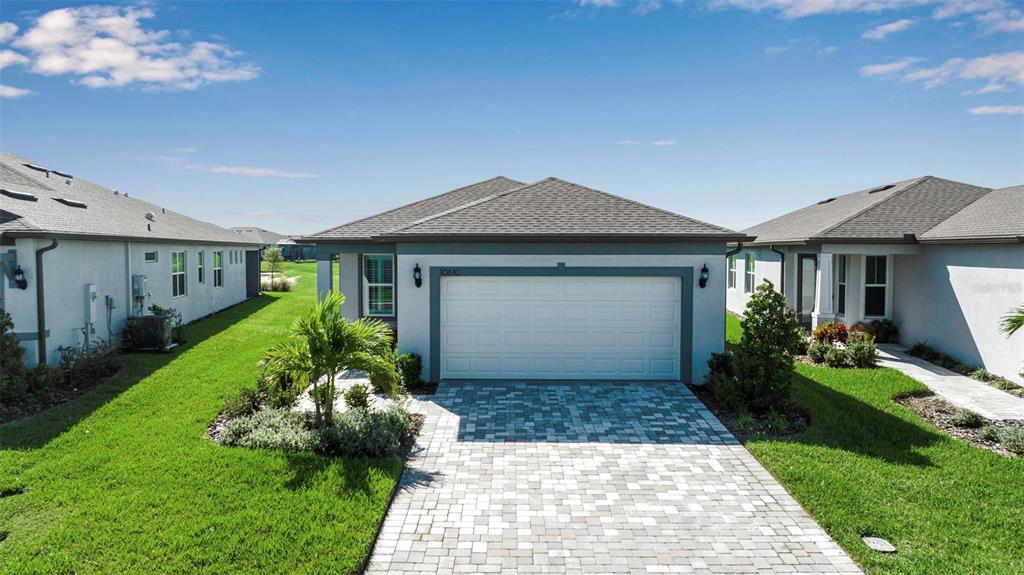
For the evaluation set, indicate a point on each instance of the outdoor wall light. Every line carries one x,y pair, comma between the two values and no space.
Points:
19,278
417,275
704,275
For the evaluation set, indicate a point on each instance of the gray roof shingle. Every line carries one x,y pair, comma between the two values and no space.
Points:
372,226
557,208
106,212
999,213
259,235
886,213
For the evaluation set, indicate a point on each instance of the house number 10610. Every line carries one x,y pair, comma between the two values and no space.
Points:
451,271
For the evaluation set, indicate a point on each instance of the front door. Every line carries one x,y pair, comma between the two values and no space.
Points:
805,286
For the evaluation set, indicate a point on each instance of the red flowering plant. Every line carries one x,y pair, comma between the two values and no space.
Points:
831,332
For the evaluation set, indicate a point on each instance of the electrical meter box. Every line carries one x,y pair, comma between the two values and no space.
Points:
139,287
90,303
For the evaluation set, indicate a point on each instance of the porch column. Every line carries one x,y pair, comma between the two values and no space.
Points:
823,293
324,281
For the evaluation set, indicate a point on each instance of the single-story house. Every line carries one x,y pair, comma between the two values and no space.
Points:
544,281
944,260
76,259
265,238
293,251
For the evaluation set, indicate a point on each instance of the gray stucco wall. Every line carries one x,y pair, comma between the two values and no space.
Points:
953,296
108,264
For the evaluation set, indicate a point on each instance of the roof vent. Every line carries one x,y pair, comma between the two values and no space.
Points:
72,203
151,216
881,188
18,195
826,201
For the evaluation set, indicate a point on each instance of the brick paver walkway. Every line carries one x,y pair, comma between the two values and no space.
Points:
590,478
961,391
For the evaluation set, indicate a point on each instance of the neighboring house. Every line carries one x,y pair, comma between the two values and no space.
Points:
550,280
942,259
265,238
77,259
294,251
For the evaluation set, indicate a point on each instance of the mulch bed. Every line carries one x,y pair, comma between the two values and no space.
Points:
798,417
940,413
424,388
58,396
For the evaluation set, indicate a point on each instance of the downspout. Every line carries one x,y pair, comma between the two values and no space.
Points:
40,301
730,253
782,270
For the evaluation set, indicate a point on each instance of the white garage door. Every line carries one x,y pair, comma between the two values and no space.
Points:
560,327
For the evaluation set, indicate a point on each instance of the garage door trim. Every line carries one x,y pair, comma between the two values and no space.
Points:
685,308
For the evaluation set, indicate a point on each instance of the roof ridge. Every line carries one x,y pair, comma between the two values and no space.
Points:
964,207
466,205
417,202
917,181
643,205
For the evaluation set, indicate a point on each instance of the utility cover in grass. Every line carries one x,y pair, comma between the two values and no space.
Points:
879,544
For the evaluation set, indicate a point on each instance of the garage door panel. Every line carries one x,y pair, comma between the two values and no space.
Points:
560,328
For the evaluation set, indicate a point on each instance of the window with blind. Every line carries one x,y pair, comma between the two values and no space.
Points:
379,285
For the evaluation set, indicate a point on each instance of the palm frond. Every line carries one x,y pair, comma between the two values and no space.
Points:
1012,322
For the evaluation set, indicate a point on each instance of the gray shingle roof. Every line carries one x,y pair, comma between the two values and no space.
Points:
997,213
372,226
106,213
259,235
557,208
886,213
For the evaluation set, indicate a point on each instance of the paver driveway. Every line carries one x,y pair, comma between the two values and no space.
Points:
590,478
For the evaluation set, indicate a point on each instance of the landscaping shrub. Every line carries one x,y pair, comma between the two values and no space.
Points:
86,367
745,422
269,429
884,330
817,350
764,361
989,433
836,356
967,418
411,367
721,379
357,397
777,422
1012,439
981,374
366,433
923,351
861,350
276,284
830,332
248,401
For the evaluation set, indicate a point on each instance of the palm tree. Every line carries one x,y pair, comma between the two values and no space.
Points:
1012,321
324,344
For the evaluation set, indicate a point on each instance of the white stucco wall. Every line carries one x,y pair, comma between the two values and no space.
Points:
708,303
953,296
767,267
109,265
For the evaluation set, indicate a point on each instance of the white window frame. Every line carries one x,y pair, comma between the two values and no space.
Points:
749,272
367,285
842,273
156,257
218,270
732,271
201,266
887,286
175,275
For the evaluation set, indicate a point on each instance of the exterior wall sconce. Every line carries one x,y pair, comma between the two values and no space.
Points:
417,275
704,275
19,278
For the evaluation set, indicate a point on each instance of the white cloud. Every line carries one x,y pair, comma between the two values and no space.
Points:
107,46
12,92
828,50
645,7
664,143
599,3
185,150
938,75
628,143
802,8
775,50
888,68
7,31
990,110
883,30
252,171
10,58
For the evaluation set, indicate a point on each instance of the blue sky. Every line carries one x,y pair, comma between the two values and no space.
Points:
300,116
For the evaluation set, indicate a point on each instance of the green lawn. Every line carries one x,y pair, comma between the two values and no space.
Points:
869,465
123,480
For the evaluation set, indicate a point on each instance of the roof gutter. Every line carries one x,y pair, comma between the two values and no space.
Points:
48,234
41,301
